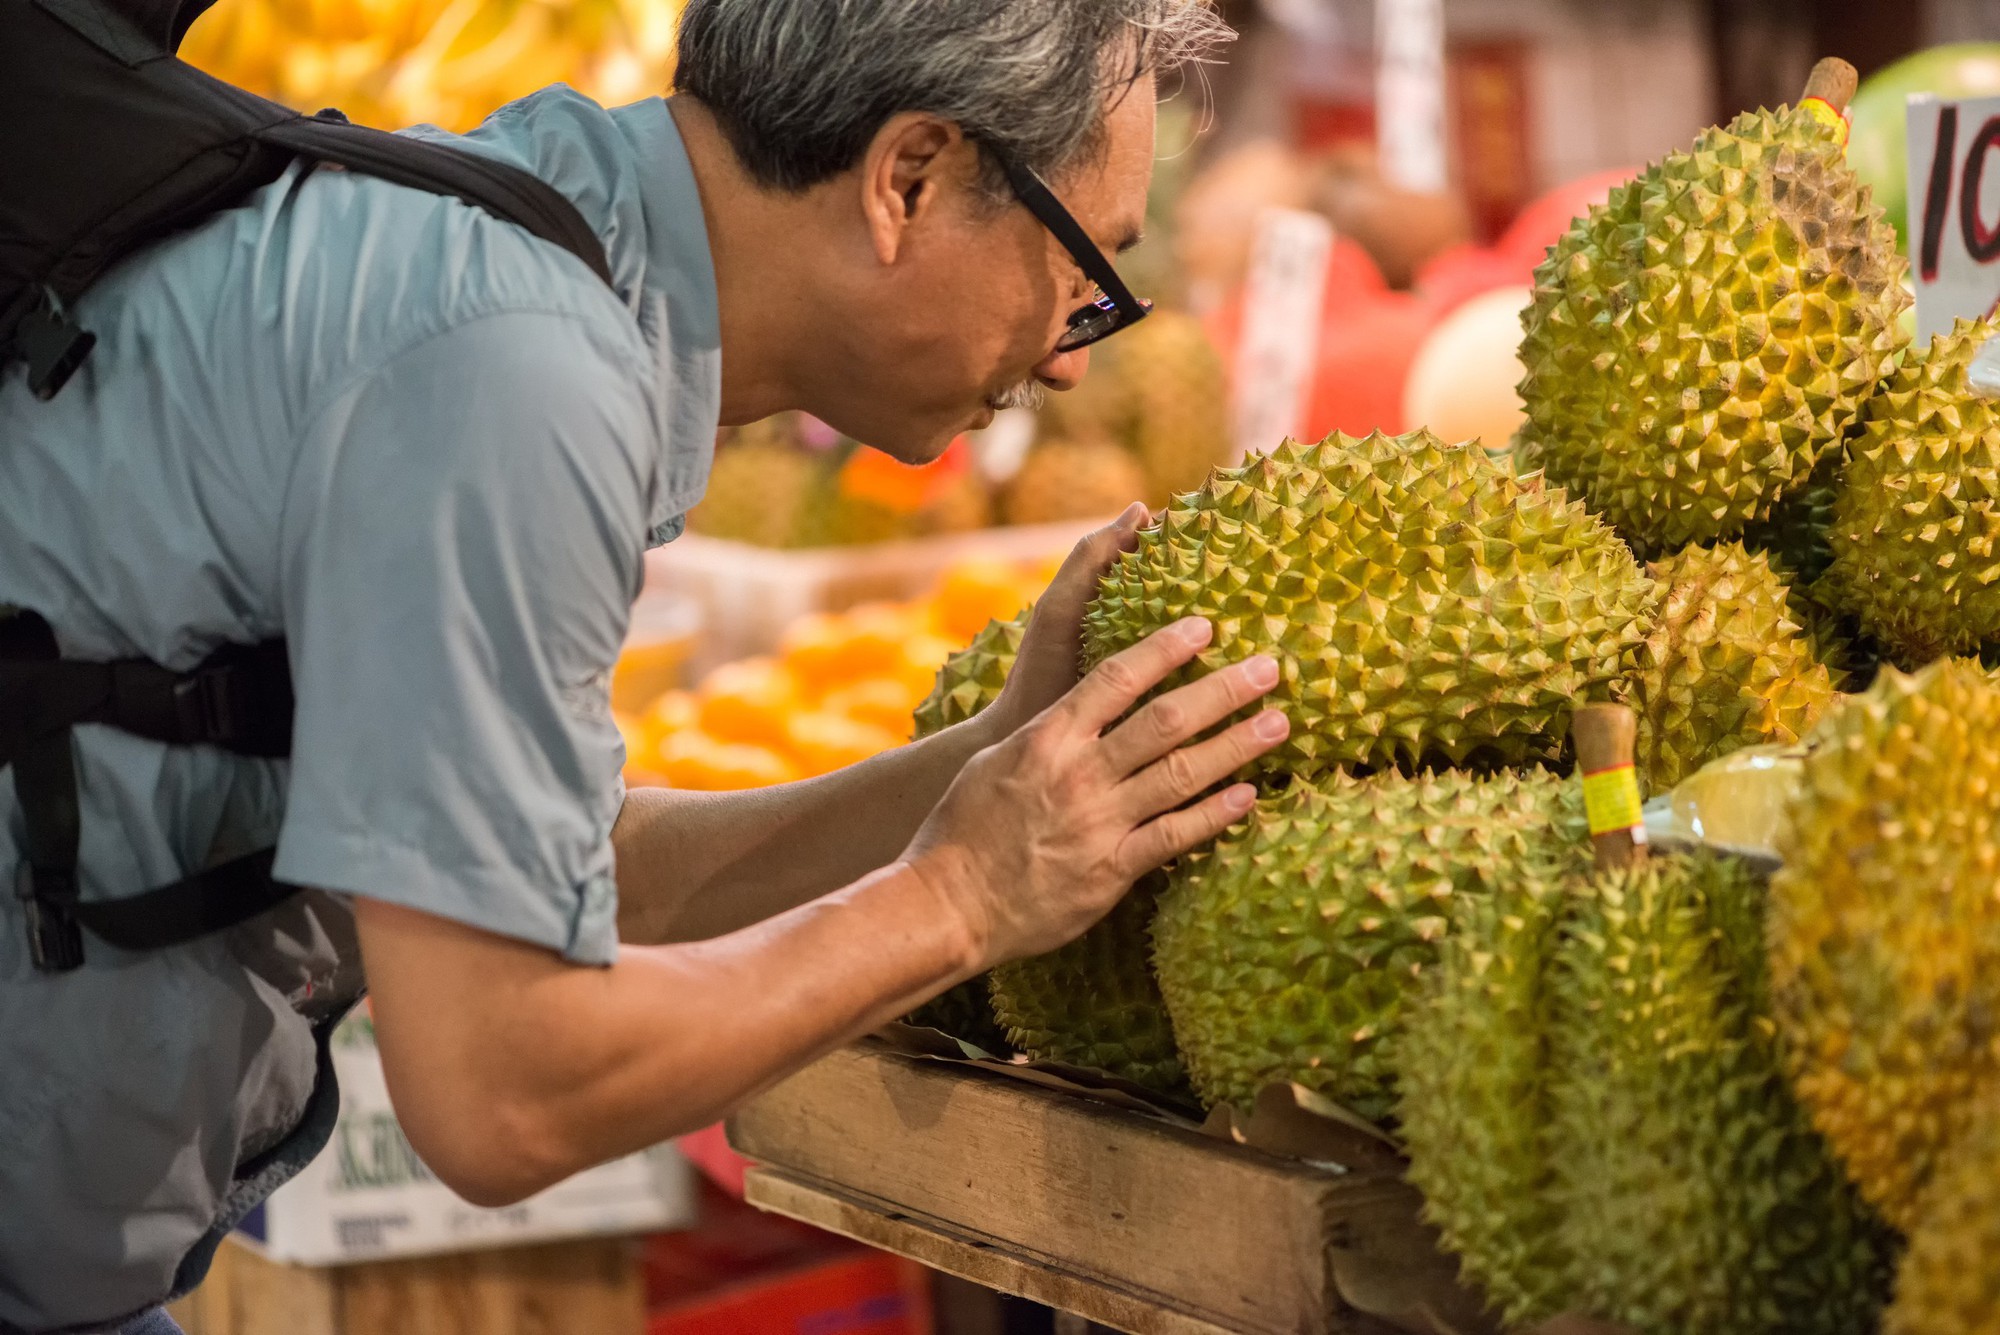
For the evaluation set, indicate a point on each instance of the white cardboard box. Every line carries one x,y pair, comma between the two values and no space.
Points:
368,1197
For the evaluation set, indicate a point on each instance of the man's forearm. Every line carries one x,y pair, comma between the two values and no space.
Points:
692,866
557,1068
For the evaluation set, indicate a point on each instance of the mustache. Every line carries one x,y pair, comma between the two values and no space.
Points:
1027,394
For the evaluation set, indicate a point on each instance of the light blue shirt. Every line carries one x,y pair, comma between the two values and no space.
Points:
429,451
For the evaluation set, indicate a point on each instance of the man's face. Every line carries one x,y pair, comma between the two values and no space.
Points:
965,320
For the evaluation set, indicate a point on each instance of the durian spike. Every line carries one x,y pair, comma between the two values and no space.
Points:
1833,82
1606,738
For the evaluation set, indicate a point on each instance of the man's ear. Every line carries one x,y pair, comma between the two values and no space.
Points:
906,163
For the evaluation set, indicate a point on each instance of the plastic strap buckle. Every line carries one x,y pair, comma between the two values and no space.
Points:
52,344
204,704
55,941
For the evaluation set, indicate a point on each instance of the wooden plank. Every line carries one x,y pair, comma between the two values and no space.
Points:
586,1287
1216,1233
983,1262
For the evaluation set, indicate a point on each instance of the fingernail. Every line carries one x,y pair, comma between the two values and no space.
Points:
1240,798
1197,631
1261,671
1272,726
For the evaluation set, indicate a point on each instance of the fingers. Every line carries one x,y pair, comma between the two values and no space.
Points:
1076,583
1164,723
1161,841
1191,770
1116,684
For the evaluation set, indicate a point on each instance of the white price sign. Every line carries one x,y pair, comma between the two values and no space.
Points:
1410,94
1283,302
1954,226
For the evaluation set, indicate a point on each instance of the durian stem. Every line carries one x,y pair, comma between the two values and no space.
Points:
1833,82
1606,738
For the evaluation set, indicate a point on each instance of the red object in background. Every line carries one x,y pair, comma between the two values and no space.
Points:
1365,355
1454,277
1489,95
708,1150
870,475
1319,123
1369,336
1540,225
743,1272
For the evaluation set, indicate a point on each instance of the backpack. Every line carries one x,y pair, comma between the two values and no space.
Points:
113,143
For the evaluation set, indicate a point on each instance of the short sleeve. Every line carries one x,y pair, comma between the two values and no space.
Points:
462,541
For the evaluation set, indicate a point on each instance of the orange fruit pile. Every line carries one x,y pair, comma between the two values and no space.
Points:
840,688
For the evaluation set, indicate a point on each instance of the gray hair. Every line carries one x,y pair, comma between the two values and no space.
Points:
802,86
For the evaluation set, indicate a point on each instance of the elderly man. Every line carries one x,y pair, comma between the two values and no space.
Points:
428,451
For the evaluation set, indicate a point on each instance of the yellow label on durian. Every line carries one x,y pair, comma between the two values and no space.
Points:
1611,800
1822,111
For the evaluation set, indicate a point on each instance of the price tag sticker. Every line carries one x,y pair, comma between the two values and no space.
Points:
1611,801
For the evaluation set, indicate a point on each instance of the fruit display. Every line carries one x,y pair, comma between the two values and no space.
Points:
841,688
1290,951
1885,933
1424,604
1082,477
1947,1281
392,63
1725,666
1702,340
1917,517
1462,384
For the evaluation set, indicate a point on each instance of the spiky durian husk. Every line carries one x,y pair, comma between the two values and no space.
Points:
1724,667
1094,1002
972,678
1474,1109
1289,951
965,1012
1885,929
1699,341
1798,535
1694,1193
1948,1283
1085,477
1181,394
1423,603
1916,528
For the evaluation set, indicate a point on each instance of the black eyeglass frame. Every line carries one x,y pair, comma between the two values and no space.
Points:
1116,308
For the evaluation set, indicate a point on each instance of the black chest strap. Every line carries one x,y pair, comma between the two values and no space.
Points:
240,699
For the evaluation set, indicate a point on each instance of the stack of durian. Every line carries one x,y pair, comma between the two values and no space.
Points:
1680,1097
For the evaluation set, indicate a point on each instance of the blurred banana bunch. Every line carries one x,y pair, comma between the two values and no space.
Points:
449,63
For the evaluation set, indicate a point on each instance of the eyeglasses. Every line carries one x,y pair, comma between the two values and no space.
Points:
1115,308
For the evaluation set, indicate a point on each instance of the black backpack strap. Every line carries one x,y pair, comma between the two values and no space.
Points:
504,191
240,698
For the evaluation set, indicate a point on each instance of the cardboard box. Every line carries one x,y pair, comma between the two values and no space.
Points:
368,1196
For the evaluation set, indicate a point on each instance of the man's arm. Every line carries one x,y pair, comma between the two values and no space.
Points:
511,1069
697,865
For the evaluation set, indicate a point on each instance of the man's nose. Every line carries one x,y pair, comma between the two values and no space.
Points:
1064,370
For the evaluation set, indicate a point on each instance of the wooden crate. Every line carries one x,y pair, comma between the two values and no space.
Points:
1129,1221
588,1287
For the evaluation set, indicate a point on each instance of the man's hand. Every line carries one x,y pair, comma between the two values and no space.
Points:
1042,834
1051,654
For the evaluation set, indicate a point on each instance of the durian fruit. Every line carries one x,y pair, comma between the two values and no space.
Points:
1084,477
1694,1194
759,487
1724,667
1596,1112
1948,1283
1885,928
969,681
972,678
965,1012
1423,603
1475,1098
1798,535
1291,950
1917,522
1180,391
1697,343
1094,1002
